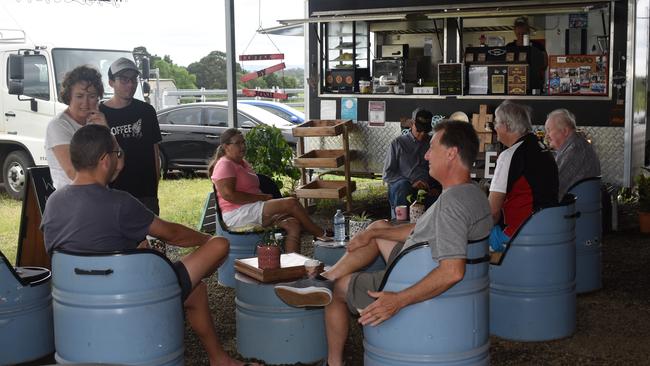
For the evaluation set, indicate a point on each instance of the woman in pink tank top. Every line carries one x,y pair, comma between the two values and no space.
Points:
242,202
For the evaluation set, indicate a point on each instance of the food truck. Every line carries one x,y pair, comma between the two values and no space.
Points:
375,61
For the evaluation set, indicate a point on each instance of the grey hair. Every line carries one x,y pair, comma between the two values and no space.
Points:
564,118
516,117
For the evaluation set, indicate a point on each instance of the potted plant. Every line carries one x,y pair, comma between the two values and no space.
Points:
643,191
417,205
268,250
359,222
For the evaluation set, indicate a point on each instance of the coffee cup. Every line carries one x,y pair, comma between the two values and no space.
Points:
401,213
311,267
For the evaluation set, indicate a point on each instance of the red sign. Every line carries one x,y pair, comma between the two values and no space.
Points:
262,57
263,72
264,94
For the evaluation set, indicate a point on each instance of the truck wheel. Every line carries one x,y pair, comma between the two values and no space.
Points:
14,172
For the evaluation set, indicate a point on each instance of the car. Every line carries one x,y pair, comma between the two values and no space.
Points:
279,109
191,132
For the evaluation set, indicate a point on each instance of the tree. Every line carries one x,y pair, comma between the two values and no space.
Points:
168,70
210,71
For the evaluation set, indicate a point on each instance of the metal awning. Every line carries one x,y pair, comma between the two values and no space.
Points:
297,29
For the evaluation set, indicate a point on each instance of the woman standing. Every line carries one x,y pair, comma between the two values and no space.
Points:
241,201
81,90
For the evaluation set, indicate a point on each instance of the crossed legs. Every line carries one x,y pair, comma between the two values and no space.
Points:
337,313
290,207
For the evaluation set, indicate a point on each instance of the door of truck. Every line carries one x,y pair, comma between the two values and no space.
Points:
19,120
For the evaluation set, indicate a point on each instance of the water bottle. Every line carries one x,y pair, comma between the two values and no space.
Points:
339,226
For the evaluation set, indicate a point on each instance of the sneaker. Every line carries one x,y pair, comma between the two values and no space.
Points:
306,292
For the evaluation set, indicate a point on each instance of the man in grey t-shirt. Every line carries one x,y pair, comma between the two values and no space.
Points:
461,214
88,216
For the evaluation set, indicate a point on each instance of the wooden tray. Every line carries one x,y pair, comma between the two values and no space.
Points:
320,159
324,189
321,127
292,268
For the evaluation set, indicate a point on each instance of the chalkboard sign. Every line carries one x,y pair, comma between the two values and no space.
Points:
450,79
31,247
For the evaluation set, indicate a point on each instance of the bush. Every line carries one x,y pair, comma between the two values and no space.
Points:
270,154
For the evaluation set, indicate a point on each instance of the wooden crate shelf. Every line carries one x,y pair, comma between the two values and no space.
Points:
320,159
335,189
321,127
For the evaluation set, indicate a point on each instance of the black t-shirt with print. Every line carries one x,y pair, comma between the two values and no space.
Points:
136,129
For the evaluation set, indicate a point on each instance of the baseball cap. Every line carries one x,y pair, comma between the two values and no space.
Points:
422,119
521,21
120,65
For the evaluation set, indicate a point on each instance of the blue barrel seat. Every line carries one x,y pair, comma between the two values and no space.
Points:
26,330
589,234
451,328
272,331
532,289
117,308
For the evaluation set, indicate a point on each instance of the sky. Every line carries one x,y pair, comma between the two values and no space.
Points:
186,30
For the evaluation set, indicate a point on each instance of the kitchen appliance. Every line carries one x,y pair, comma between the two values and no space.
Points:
390,72
395,51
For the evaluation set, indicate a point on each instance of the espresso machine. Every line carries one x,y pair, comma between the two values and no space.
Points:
392,72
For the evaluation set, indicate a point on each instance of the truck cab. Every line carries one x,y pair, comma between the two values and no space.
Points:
29,99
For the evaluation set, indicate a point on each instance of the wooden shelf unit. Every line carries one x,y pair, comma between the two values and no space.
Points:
321,189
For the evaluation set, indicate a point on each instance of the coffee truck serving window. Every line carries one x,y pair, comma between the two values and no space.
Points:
541,50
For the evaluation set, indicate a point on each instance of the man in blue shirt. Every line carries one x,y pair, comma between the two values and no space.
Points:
405,169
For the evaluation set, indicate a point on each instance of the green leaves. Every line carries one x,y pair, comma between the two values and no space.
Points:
269,154
421,196
643,190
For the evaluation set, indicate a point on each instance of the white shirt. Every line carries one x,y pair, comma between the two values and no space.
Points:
59,132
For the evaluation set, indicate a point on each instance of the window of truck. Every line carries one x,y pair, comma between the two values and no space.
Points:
66,59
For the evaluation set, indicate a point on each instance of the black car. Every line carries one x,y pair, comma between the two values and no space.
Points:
191,132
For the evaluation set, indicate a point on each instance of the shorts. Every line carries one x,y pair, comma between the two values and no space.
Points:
361,282
183,279
248,214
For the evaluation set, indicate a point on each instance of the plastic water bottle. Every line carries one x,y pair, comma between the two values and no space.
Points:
339,226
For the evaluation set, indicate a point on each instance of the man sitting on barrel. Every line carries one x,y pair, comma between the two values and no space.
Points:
460,214
87,216
525,178
574,155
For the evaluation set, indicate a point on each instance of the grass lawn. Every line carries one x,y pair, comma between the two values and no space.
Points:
9,225
181,201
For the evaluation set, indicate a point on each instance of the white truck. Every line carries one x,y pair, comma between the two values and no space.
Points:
29,98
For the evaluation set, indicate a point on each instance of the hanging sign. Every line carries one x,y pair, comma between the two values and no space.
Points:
264,94
262,57
263,72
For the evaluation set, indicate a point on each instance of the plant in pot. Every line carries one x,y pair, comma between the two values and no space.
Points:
358,223
268,250
643,191
417,205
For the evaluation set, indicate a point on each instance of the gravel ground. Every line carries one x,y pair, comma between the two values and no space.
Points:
613,324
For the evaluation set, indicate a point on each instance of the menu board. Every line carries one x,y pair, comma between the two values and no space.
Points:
450,79
577,75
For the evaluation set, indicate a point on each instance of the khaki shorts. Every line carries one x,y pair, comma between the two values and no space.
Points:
361,282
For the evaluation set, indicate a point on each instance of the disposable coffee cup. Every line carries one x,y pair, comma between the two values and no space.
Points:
311,267
526,40
401,213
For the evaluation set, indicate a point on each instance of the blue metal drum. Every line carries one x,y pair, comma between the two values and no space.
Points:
532,292
26,330
449,329
329,254
117,308
588,234
270,330
242,245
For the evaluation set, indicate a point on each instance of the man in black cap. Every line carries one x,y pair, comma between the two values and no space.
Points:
540,59
405,169
135,126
